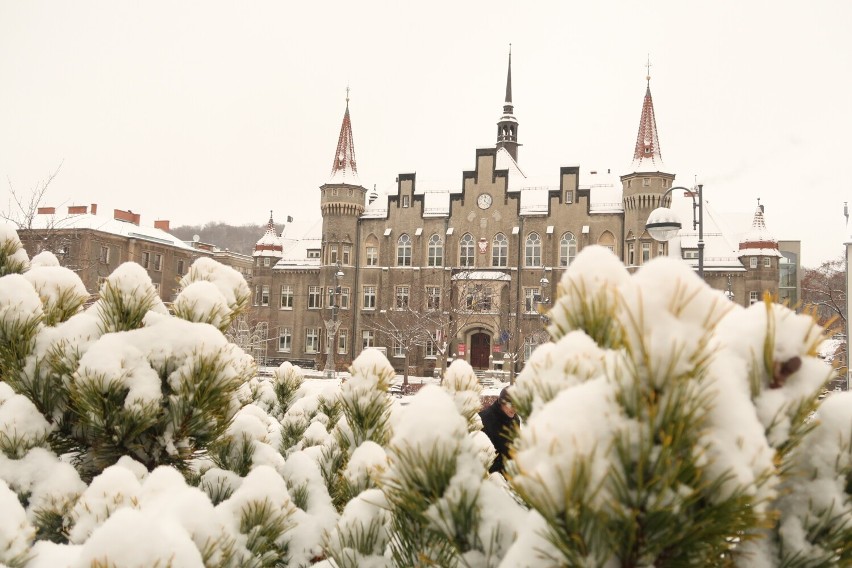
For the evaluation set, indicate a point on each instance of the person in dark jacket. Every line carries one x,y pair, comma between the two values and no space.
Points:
499,422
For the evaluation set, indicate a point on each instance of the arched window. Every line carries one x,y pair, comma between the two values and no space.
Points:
567,249
532,251
607,240
371,251
403,250
466,252
436,251
500,250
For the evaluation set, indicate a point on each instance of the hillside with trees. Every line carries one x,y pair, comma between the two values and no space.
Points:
237,238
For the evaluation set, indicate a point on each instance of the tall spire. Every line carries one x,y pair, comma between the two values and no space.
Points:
647,156
508,108
344,169
507,126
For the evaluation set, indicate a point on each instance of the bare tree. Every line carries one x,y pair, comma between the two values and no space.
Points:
23,206
252,336
824,295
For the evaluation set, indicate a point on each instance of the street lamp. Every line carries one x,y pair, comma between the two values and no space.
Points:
663,223
543,298
331,327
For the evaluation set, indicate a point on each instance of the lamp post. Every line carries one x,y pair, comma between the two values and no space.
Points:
663,223
331,327
543,298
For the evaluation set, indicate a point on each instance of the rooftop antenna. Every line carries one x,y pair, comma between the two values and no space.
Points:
846,212
648,71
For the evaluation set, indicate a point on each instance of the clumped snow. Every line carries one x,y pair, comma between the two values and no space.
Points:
625,351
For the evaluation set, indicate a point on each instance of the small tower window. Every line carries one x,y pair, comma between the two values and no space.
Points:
405,201
646,182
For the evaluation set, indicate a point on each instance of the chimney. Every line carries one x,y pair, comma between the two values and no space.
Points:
77,209
162,225
47,210
128,216
94,209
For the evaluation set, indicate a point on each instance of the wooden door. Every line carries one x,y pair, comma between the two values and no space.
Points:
480,349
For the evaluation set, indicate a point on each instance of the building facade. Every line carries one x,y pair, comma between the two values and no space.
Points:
467,271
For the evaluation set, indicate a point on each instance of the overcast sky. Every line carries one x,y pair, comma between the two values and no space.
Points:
220,111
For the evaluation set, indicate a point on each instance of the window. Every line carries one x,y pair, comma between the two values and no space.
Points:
529,346
405,201
403,250
368,338
343,299
532,250
690,254
180,267
256,295
313,253
661,249
266,261
436,251
567,249
398,349
607,240
569,196
431,348
646,252
478,298
402,295
332,254
752,297
466,250
752,262
286,297
631,256
433,298
531,298
146,259
767,262
646,182
372,256
264,295
285,340
369,297
499,250
347,254
312,340
156,287
314,296
342,342
104,256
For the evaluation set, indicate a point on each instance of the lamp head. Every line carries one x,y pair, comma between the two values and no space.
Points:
663,224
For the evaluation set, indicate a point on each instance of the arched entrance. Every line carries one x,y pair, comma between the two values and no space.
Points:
480,350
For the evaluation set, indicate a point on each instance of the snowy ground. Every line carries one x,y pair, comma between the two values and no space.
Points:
315,382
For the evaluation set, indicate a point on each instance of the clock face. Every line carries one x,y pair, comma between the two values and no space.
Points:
484,201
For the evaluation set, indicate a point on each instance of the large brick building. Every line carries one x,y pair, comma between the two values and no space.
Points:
464,270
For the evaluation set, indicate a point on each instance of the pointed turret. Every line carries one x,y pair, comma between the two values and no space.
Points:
647,156
758,241
344,169
270,244
507,126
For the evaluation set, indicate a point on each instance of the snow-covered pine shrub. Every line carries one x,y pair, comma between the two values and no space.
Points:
444,510
13,257
463,385
124,377
655,435
366,412
212,293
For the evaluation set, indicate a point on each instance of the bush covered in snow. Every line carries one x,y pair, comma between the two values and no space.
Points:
663,426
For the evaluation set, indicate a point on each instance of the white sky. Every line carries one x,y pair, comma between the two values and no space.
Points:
221,111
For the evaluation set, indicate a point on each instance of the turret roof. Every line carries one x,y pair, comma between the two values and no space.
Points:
344,168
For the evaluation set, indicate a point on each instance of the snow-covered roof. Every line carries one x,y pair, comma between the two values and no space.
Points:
109,225
758,241
296,249
605,190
